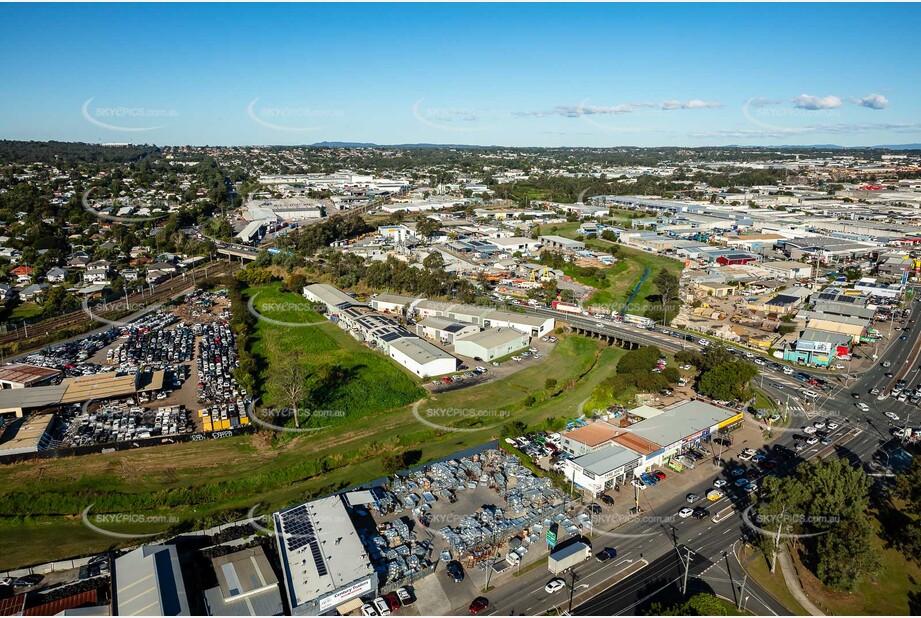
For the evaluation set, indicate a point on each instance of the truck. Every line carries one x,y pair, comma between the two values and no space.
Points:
638,320
566,307
567,557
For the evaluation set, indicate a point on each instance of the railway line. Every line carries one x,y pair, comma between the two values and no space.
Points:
80,317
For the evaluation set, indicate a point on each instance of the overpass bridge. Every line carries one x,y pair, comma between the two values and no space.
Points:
238,251
616,334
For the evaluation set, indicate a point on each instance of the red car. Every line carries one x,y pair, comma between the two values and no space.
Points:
660,475
393,601
478,605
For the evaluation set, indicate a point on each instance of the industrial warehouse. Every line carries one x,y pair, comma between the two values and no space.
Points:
476,333
605,455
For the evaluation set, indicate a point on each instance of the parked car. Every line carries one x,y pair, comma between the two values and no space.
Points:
456,571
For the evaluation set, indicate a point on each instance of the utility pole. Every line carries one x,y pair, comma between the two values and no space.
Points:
742,592
686,561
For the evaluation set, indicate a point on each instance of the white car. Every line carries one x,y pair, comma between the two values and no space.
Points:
743,456
892,415
812,440
638,484
833,425
368,610
555,585
685,512
808,429
788,371
383,609
720,483
862,407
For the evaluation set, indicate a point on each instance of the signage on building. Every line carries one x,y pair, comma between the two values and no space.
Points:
551,535
337,598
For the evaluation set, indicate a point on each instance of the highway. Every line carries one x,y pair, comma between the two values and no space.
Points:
648,548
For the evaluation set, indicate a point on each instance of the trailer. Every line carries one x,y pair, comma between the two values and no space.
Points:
568,557
566,307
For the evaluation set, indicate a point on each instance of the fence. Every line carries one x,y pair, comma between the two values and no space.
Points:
110,447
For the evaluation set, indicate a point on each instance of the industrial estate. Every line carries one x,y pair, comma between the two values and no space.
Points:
425,380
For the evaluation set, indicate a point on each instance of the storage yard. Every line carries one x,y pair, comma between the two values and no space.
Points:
168,373
463,509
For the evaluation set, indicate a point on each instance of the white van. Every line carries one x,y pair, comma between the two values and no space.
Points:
809,395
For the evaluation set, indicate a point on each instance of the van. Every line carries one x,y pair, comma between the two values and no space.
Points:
809,395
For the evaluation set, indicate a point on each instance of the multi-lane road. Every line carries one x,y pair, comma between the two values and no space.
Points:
652,549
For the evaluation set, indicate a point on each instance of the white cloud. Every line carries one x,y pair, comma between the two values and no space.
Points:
575,111
692,104
762,102
808,101
872,101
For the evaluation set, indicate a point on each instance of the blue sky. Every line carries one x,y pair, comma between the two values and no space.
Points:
513,74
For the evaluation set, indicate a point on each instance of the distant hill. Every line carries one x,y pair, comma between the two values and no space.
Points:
371,145
901,147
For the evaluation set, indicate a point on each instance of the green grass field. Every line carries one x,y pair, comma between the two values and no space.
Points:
25,311
206,483
365,380
887,593
622,277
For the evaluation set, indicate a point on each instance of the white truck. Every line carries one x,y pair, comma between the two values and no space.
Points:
567,557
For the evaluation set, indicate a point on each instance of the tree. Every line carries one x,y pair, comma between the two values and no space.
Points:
55,300
434,261
290,380
826,504
727,381
393,463
668,286
514,428
428,227
550,383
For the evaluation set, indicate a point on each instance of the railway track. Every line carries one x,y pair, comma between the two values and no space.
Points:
80,317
